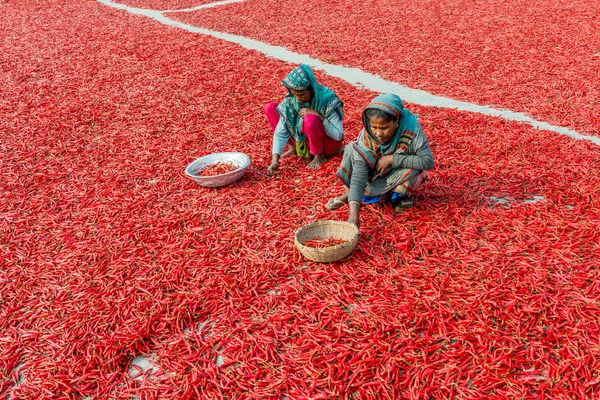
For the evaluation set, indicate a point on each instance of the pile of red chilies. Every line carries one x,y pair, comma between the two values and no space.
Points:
219,168
108,253
320,243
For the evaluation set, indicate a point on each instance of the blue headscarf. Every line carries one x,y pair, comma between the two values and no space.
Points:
323,100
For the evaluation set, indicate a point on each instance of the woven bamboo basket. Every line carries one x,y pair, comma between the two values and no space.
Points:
327,229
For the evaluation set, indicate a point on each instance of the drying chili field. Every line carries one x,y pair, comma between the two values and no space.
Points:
120,278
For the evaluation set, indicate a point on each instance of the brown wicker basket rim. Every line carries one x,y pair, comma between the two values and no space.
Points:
350,242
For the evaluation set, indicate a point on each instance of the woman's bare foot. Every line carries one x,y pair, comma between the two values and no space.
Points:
336,202
290,152
317,161
403,204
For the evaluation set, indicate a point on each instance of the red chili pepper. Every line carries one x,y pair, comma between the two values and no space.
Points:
219,168
320,243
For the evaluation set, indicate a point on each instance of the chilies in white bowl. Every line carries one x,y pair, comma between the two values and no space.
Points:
240,160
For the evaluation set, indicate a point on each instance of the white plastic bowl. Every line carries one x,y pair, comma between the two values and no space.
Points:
240,160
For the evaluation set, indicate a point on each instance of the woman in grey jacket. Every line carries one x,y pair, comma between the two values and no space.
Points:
389,160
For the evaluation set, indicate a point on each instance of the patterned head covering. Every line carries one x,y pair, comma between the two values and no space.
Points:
323,100
388,103
299,79
408,127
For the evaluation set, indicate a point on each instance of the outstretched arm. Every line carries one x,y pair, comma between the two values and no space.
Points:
358,182
280,139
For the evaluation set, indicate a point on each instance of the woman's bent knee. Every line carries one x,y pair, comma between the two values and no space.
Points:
270,108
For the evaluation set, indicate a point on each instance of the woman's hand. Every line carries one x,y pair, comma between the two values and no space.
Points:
273,169
384,163
305,111
354,217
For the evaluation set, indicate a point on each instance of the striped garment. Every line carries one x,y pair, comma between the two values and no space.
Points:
409,147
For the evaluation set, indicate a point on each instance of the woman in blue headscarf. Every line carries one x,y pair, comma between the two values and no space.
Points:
388,161
309,119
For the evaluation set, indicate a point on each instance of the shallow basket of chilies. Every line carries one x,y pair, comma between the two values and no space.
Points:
234,163
336,231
